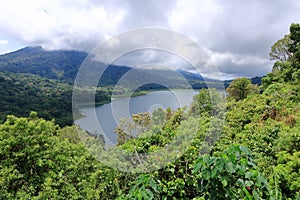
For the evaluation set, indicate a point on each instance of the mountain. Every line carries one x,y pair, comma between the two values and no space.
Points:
256,80
189,75
36,79
60,65
63,65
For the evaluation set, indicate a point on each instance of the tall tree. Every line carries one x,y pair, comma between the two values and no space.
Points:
280,49
286,70
294,47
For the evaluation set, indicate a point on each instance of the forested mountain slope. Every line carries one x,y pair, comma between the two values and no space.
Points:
22,93
247,147
64,64
60,65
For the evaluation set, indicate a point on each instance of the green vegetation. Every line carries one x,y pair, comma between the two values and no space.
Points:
22,93
240,88
287,53
134,94
58,65
268,124
248,148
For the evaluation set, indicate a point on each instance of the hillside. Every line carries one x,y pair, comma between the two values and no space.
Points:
245,145
60,65
33,71
63,65
22,93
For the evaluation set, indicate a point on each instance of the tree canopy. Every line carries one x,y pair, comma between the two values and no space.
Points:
280,49
286,52
248,148
240,88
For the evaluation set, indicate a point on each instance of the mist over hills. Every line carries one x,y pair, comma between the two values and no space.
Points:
60,65
63,65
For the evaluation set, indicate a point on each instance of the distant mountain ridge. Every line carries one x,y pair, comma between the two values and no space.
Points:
58,64
63,65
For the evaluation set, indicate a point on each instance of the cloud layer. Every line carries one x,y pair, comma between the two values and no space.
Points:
236,34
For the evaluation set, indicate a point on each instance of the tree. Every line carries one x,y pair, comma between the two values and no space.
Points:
206,102
287,53
128,129
294,47
34,162
280,49
159,116
240,88
268,124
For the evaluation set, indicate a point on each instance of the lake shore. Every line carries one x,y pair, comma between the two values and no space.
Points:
103,119
114,97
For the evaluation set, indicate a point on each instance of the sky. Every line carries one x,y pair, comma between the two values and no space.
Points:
237,35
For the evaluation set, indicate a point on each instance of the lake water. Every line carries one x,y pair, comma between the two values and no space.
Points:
103,119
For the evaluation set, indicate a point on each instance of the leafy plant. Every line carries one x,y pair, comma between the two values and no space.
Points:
232,175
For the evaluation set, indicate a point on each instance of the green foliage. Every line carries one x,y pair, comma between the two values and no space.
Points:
159,116
240,88
208,101
128,129
59,65
34,162
280,49
287,53
231,175
64,65
257,155
20,94
192,177
90,96
268,124
145,187
294,47
54,164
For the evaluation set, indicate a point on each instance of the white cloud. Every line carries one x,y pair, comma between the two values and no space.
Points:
193,16
55,24
238,34
237,65
3,42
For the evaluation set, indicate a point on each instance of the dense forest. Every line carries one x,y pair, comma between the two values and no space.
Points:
21,93
247,147
34,79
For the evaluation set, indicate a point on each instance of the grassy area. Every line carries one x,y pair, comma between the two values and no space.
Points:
115,97
135,94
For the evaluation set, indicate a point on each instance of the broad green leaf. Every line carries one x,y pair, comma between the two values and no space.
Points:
240,182
206,174
224,182
248,195
230,167
248,183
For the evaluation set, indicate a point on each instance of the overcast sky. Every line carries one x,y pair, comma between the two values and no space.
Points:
236,34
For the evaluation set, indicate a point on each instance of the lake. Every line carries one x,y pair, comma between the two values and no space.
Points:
103,119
